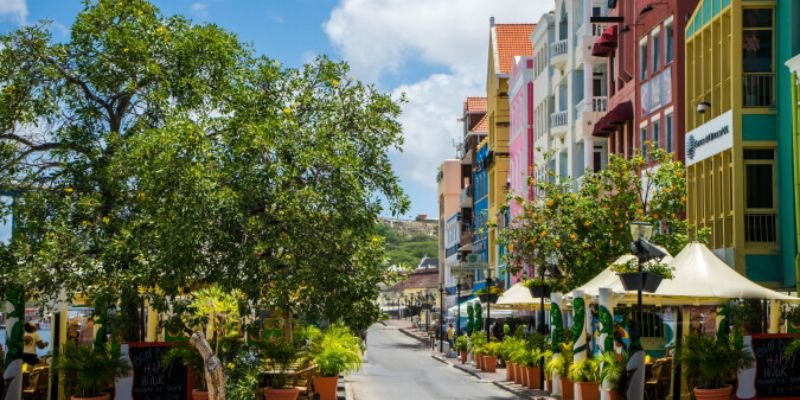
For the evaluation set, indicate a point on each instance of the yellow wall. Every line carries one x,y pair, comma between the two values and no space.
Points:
715,186
498,117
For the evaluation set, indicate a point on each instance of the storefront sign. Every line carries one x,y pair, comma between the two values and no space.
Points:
154,380
710,138
777,376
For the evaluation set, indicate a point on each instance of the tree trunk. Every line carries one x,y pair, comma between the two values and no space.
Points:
215,374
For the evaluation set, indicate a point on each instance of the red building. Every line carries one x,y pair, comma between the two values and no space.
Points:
644,44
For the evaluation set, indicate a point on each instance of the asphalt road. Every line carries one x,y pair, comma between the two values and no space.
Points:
399,367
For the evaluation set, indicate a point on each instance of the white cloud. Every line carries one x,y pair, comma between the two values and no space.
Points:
200,9
380,37
13,10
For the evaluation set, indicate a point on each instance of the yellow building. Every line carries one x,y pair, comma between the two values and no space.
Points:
506,42
738,140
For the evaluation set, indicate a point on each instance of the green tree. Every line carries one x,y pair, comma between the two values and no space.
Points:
152,155
584,229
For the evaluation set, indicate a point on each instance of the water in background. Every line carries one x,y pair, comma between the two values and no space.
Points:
43,333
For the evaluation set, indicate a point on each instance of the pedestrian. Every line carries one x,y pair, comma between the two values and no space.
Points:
451,335
30,342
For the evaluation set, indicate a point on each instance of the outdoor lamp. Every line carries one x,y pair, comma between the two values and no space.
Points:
702,107
649,7
641,230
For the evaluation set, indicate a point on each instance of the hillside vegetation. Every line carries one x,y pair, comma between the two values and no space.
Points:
408,242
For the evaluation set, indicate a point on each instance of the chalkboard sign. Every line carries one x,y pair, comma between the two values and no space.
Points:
777,376
153,380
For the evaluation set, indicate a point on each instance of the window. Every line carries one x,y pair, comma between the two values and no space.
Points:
669,130
760,216
656,133
656,45
757,57
643,140
643,59
669,41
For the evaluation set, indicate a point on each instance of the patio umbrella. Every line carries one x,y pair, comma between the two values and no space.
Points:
519,296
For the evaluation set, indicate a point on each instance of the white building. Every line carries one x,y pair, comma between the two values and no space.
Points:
570,88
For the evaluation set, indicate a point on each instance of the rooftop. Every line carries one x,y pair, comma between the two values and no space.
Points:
511,40
475,105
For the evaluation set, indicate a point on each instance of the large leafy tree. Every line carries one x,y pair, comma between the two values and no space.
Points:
582,229
151,155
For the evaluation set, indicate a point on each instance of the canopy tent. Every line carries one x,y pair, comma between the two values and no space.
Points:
496,312
700,278
519,296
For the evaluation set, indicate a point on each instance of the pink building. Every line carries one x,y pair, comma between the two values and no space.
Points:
521,137
521,129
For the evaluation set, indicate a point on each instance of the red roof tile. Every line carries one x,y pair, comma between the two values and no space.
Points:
511,40
418,280
482,126
475,105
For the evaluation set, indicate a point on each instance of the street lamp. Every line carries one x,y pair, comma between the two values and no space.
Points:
441,316
488,305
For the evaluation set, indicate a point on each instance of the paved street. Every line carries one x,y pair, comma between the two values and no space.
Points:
398,367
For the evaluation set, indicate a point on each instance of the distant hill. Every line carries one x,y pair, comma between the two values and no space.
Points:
408,241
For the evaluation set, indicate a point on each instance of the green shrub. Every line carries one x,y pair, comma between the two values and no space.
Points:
585,370
612,370
89,371
710,363
461,344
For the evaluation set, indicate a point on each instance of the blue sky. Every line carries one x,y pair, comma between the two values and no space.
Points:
434,51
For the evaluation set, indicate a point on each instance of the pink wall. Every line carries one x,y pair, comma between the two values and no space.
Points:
520,133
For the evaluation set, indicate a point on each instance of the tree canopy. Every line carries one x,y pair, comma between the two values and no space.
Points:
150,154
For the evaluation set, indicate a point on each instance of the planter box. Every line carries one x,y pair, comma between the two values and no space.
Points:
510,371
647,281
490,363
567,389
538,291
488,298
589,390
534,378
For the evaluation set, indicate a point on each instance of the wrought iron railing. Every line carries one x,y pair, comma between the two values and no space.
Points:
760,227
758,89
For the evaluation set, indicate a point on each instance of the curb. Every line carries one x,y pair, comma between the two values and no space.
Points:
407,333
498,384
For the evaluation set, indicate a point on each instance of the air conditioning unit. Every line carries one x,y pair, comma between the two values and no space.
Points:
459,256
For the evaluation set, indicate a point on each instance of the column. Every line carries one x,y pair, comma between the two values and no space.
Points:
556,335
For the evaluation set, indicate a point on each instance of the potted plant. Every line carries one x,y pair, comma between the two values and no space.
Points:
491,350
280,354
560,365
712,363
489,295
612,374
461,346
648,279
90,372
476,342
544,361
334,352
531,361
509,346
189,357
587,376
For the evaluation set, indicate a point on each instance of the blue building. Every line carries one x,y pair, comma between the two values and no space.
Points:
480,238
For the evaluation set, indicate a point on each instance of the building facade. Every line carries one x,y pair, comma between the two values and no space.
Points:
794,68
506,41
739,151
448,181
480,195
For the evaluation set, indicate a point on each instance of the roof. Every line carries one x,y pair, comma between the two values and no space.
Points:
509,40
482,126
422,279
475,105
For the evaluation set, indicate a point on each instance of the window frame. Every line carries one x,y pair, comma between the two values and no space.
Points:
669,40
771,162
655,131
644,132
669,134
655,51
643,55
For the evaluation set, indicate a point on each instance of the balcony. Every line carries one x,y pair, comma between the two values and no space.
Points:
558,124
760,227
466,240
558,54
466,197
598,29
759,89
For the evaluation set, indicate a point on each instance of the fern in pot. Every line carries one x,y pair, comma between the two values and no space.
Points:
612,374
334,352
90,372
711,364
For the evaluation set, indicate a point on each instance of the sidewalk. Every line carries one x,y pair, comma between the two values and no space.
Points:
497,378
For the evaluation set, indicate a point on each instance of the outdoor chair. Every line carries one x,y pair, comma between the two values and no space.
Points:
657,384
37,387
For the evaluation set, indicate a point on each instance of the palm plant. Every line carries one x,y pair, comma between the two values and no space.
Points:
562,363
90,371
335,351
612,371
585,370
711,363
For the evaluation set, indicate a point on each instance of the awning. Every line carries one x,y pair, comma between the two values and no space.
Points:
621,113
606,43
496,312
519,295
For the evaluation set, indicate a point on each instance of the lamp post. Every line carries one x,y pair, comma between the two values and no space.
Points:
441,316
458,307
488,305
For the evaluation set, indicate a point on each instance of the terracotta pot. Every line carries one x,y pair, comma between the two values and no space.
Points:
199,394
326,387
526,379
521,375
614,395
281,394
510,376
478,361
714,394
104,396
534,378
548,385
589,390
463,357
490,363
567,389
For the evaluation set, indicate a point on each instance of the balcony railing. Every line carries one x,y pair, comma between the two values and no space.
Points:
598,29
760,227
558,119
759,89
558,48
599,104
466,237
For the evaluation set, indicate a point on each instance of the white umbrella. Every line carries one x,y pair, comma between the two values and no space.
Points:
496,313
519,295
609,279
